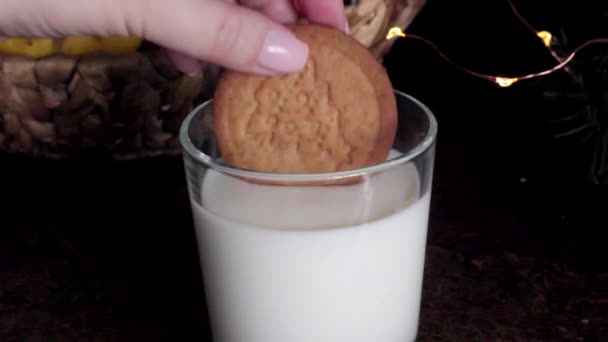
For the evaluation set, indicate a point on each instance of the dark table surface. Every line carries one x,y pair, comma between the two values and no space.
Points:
105,251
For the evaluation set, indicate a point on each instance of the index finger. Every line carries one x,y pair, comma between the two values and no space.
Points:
280,10
327,12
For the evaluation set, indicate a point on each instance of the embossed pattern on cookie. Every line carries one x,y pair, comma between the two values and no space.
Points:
339,113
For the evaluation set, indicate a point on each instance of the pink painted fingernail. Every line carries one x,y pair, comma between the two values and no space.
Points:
283,53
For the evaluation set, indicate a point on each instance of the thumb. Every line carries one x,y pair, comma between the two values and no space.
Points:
219,32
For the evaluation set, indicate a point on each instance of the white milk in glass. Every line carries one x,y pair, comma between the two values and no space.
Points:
313,264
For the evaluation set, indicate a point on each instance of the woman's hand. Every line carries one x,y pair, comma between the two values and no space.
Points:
245,35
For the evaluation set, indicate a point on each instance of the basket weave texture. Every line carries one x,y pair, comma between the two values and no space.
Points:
131,106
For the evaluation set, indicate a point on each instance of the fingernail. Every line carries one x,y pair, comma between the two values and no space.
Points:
283,53
347,27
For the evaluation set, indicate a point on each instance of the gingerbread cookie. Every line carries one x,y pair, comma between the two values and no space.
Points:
339,113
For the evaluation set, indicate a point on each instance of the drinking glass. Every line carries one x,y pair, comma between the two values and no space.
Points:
313,257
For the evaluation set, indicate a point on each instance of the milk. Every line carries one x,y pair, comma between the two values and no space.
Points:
313,264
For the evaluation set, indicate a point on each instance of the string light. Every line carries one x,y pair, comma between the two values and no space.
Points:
503,81
546,36
395,32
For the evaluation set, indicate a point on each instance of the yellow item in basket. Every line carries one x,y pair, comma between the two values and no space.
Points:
119,45
79,46
35,48
71,46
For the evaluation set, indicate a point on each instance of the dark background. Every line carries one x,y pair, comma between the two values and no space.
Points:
492,137
105,251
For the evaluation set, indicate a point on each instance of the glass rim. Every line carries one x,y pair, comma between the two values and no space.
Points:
208,161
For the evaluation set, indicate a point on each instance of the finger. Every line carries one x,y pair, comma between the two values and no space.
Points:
278,10
221,33
327,12
184,63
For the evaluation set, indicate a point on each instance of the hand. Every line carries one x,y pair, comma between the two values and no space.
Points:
245,35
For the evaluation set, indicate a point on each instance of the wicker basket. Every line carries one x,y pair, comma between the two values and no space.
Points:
131,106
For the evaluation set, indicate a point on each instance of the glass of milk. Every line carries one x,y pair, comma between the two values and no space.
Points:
285,259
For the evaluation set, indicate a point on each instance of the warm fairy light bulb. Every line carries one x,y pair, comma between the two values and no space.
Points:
505,81
546,36
395,32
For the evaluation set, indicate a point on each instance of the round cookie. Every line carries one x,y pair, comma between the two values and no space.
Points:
338,113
